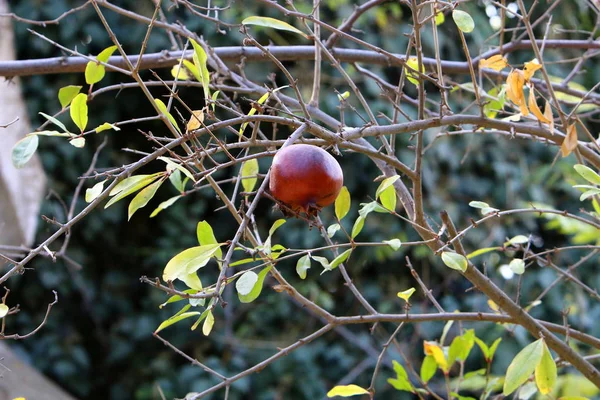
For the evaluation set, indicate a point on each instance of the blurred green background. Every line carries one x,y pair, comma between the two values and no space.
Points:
98,341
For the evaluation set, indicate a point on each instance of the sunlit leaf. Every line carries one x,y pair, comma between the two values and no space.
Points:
343,96
3,310
549,117
175,319
570,142
163,108
517,265
143,197
405,295
401,381
587,173
339,259
252,111
79,111
497,62
455,261
249,175
514,90
439,18
545,372
332,229
413,77
272,23
54,121
495,103
67,94
358,226
246,282
435,350
395,244
257,288
23,150
463,20
94,191
180,73
200,61
209,322
346,391
106,126
302,266
530,68
171,165
188,261
77,142
522,366
428,368
535,109
519,239
342,203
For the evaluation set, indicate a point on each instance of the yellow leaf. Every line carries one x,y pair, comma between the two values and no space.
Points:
570,142
412,76
493,305
548,115
196,120
346,391
514,90
405,295
180,73
545,372
434,349
497,62
530,68
535,109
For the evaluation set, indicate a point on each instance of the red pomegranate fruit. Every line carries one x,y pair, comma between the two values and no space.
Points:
305,178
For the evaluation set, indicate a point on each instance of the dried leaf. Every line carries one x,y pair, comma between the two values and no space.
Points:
570,142
530,68
535,109
548,115
195,120
497,62
514,89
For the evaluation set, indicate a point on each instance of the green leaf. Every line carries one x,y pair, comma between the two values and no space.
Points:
401,381
588,174
143,197
23,150
272,23
189,261
321,260
405,295
395,244
54,121
249,175
493,348
428,368
461,346
106,126
67,93
192,281
522,366
209,322
495,100
463,20
342,203
302,266
455,261
484,349
52,133
346,391
77,142
200,60
343,96
3,310
79,111
176,319
94,71
385,184
171,166
255,292
246,282
545,372
164,205
163,108
332,229
388,198
519,239
517,265
589,193
439,18
130,185
339,259
276,226
94,191
358,225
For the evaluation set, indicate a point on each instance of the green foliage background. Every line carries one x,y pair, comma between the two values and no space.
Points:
98,342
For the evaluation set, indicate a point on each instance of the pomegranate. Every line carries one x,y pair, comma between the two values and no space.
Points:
305,178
